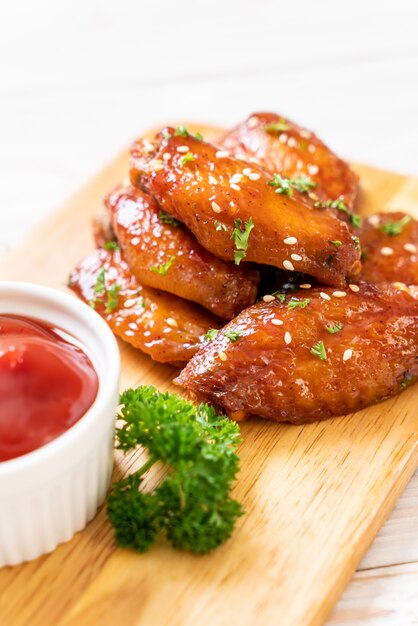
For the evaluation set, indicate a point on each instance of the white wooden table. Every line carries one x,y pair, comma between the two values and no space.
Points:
81,78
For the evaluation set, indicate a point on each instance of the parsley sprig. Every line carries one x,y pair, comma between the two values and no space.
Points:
211,334
340,205
187,158
107,296
241,238
167,219
394,228
295,303
285,186
334,328
319,350
276,128
191,505
163,268
232,335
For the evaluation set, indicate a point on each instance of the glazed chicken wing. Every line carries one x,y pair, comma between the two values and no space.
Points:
163,254
239,212
284,147
389,244
315,355
164,326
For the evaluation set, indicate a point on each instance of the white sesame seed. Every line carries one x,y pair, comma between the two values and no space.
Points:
216,208
268,298
288,265
236,178
240,157
235,187
171,322
276,322
130,303
401,286
305,286
148,147
254,176
354,288
254,160
166,156
311,148
410,247
129,333
222,356
313,169
246,171
158,167
296,257
287,337
374,220
347,354
386,251
305,134
324,296
183,149
313,196
292,143
133,326
252,122
135,241
290,241
212,180
283,137
339,294
222,154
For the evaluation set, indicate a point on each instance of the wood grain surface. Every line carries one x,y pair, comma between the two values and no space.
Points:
315,496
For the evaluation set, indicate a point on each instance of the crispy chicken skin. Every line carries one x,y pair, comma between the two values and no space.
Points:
270,370
211,194
149,239
389,243
164,326
284,147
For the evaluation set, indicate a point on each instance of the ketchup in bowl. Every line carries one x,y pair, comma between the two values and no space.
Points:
47,383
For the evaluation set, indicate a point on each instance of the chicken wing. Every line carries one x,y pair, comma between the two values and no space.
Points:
284,147
389,244
163,254
164,326
314,355
239,212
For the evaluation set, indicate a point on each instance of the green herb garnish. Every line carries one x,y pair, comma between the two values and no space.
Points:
100,286
181,131
187,158
356,241
277,128
285,186
232,335
302,183
408,380
280,296
220,226
211,334
111,245
339,204
295,303
163,267
191,504
319,350
393,228
240,238
334,328
337,243
199,137
106,296
167,219
112,298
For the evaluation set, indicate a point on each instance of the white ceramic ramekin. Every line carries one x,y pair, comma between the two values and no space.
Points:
49,494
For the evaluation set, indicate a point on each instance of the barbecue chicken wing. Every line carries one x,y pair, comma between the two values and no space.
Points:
284,147
317,354
163,254
164,326
389,243
235,211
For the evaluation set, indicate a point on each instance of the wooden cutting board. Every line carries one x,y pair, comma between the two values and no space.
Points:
315,496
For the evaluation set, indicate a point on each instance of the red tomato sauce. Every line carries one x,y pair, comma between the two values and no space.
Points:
47,383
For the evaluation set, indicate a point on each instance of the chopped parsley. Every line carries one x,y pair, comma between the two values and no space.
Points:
211,334
276,128
163,267
280,296
339,204
187,158
393,228
181,131
319,350
334,328
295,303
111,245
233,335
167,219
199,137
240,238
408,379
220,226
337,243
106,296
112,298
100,286
285,186
356,241
356,220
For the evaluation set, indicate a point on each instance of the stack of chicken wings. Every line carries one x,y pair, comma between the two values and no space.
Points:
247,264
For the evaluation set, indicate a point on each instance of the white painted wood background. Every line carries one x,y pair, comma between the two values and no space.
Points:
81,78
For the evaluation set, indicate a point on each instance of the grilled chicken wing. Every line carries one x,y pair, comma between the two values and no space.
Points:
164,326
334,354
236,214
162,253
389,244
284,147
